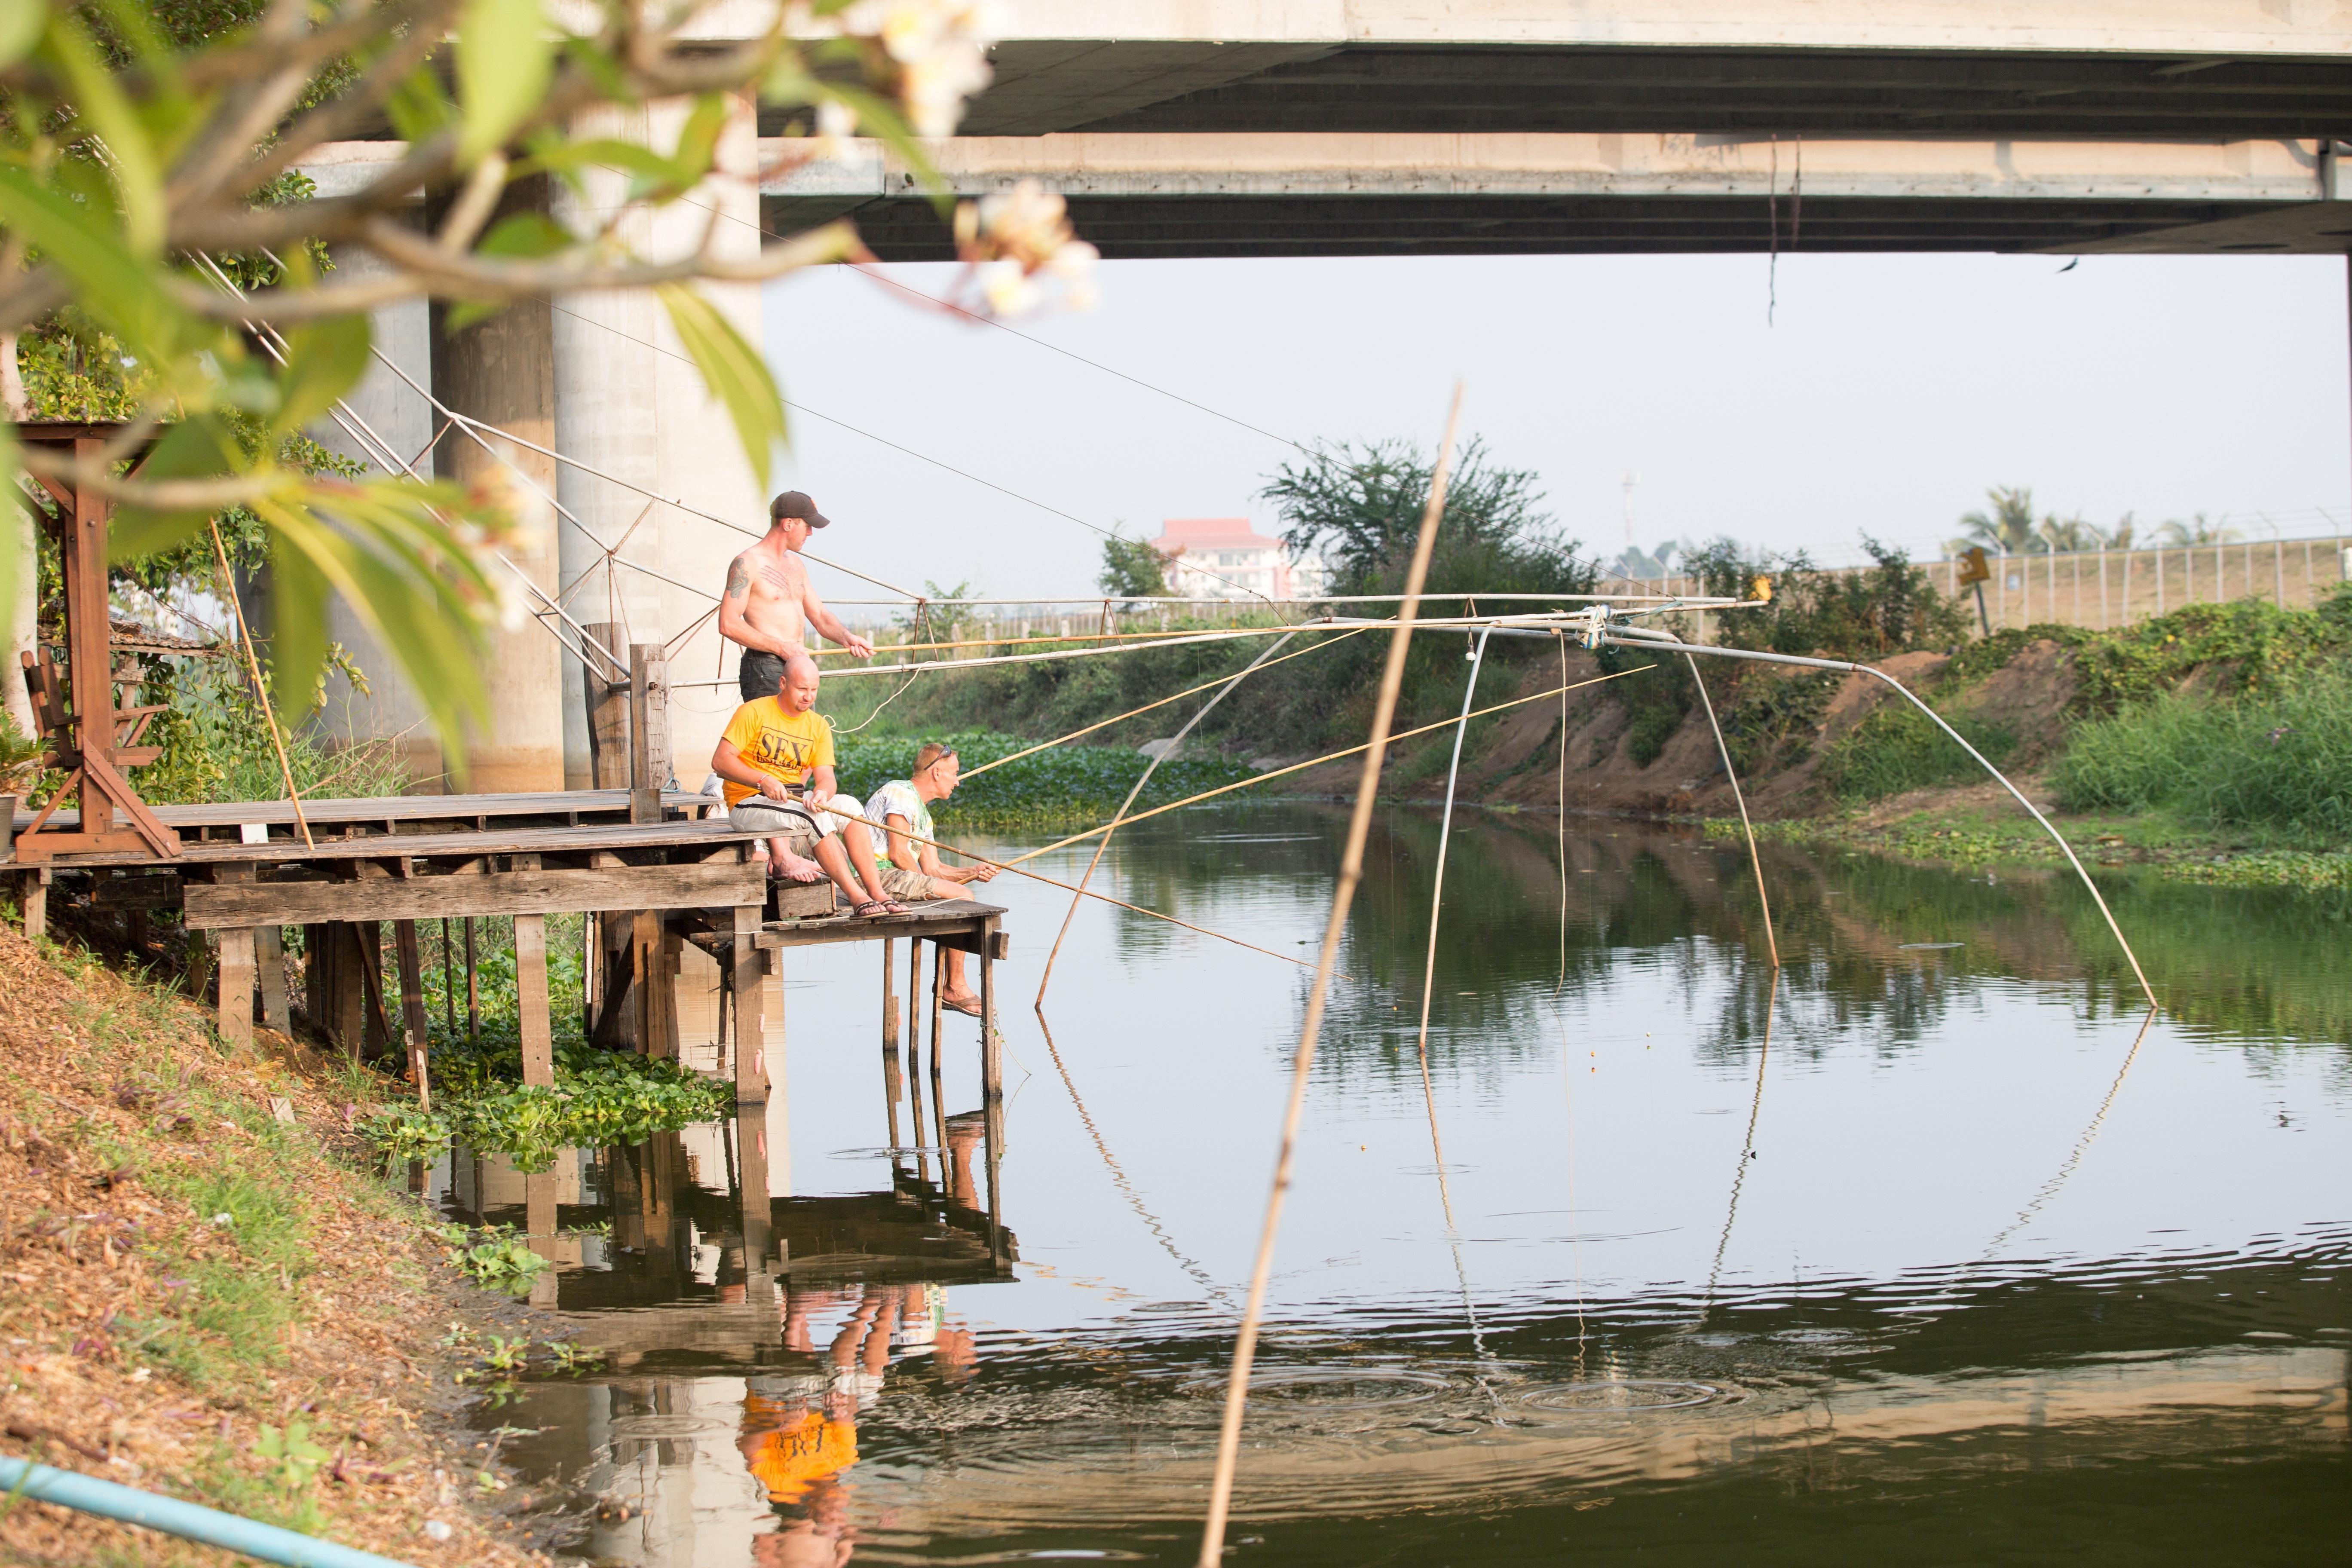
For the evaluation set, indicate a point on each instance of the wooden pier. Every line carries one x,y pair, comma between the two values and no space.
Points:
242,870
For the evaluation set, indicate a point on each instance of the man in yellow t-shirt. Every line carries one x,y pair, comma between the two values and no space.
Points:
776,756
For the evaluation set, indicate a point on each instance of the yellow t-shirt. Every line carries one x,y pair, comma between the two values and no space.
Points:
786,746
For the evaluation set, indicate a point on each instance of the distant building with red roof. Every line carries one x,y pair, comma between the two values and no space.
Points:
1225,558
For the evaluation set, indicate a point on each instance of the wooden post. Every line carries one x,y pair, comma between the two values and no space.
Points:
269,961
915,1057
473,989
412,1009
234,974
649,765
34,886
938,1013
608,710
747,974
530,999
892,1084
656,985
992,1084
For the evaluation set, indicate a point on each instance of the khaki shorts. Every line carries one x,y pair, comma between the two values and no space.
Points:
903,884
800,826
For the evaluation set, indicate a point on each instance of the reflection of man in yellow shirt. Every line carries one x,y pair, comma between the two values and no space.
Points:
791,1448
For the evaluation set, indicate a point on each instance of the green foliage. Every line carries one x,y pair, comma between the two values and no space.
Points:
501,1261
2247,646
294,1458
217,746
1066,782
1772,715
601,1099
1132,568
1898,748
1863,616
2281,759
1361,507
254,1244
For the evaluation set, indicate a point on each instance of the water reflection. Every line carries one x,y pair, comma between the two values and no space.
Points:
1936,1242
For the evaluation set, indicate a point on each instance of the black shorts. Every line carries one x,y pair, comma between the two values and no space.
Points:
759,674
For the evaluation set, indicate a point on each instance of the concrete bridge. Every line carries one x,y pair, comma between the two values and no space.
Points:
1212,128
1384,127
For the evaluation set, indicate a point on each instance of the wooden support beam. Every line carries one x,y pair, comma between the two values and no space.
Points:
33,891
269,963
747,977
649,764
892,1086
718,885
412,1009
939,1016
235,974
921,1123
608,710
530,1000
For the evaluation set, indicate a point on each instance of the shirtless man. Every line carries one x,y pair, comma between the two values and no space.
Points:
768,594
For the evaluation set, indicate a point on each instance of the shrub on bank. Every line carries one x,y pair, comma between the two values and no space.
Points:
2281,760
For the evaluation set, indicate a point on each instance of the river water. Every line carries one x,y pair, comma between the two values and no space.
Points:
1936,1251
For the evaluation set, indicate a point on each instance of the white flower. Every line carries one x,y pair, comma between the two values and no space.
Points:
1007,288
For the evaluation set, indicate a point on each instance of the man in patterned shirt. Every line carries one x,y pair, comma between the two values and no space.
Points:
910,861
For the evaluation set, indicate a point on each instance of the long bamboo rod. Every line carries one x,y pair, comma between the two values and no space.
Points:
1352,870
260,691
1436,905
1103,843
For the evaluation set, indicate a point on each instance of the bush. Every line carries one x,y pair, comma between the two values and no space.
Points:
1898,748
1066,782
2281,760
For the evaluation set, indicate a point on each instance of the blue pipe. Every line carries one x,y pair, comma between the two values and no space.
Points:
71,1489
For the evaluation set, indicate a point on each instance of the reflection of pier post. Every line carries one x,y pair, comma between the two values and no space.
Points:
992,1085
938,1008
891,1084
915,1061
747,974
755,1220
540,1226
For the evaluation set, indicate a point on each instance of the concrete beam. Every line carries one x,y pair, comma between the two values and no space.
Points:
1513,164
2274,27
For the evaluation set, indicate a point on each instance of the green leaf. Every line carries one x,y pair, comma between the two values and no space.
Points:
122,293
21,24
201,446
419,108
130,156
697,141
504,64
734,371
324,361
298,630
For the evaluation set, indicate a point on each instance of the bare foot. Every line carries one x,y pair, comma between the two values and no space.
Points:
798,870
961,1002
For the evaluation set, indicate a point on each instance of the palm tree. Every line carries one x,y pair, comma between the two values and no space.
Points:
2120,536
2007,530
2180,535
2068,534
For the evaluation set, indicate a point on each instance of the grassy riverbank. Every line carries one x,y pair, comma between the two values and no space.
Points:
207,1294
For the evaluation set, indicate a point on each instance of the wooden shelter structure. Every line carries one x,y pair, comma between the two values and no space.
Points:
89,734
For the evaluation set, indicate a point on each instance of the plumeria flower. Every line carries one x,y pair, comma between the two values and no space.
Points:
1015,240
940,47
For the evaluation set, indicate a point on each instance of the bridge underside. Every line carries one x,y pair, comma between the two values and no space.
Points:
1143,228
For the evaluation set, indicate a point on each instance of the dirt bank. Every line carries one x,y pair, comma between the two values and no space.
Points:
204,1297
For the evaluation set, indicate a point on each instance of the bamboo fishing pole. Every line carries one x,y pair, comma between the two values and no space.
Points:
1352,870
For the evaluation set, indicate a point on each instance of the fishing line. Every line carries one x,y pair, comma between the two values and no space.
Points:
1420,1041
1317,761
1152,767
1747,1149
1199,1276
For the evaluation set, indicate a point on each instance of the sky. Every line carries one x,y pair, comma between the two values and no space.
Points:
1883,395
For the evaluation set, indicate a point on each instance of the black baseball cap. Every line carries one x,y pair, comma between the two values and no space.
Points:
796,503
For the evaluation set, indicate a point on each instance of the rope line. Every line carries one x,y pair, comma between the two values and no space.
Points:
1103,843
1317,761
